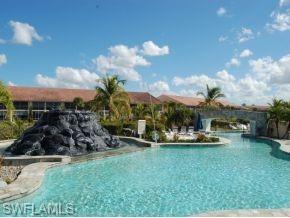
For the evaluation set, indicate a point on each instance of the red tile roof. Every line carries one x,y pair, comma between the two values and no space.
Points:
35,94
190,101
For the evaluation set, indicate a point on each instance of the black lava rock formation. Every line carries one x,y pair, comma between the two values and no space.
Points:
64,133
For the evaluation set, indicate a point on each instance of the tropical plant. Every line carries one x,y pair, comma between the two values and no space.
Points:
140,111
278,111
177,114
286,116
110,94
211,96
78,103
6,100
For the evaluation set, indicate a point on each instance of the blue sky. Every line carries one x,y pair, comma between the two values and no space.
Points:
173,47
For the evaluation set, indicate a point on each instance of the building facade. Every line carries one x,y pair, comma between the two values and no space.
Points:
33,101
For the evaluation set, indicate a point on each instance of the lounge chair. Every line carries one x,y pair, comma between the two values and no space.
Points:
175,130
190,130
183,130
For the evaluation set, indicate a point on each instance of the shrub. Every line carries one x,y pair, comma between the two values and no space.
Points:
175,137
203,138
12,130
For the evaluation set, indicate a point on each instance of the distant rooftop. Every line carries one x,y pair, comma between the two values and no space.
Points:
190,101
37,94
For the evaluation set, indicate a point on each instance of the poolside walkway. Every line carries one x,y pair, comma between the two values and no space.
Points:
248,213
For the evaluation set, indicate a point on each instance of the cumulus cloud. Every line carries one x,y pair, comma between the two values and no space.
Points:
234,62
3,59
245,34
159,87
151,49
281,21
123,60
246,53
24,33
237,90
68,77
221,12
268,70
224,75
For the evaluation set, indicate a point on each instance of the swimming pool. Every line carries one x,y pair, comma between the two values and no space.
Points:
172,181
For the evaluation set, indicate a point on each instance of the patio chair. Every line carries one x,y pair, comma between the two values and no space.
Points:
190,130
183,130
175,130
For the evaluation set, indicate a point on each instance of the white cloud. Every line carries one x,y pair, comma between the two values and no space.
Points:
151,49
225,76
246,53
24,33
236,90
274,72
266,79
223,38
2,41
69,78
281,21
284,2
123,61
3,59
245,35
234,62
159,87
11,83
221,11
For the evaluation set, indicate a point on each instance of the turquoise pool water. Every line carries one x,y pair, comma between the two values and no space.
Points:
172,181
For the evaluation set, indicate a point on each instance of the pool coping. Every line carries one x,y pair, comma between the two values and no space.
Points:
284,144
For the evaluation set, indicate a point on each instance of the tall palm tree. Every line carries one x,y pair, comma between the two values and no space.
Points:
276,113
6,100
211,95
110,94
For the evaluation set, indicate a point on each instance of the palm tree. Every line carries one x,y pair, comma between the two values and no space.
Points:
140,111
6,100
276,113
177,114
78,102
110,94
211,96
286,117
